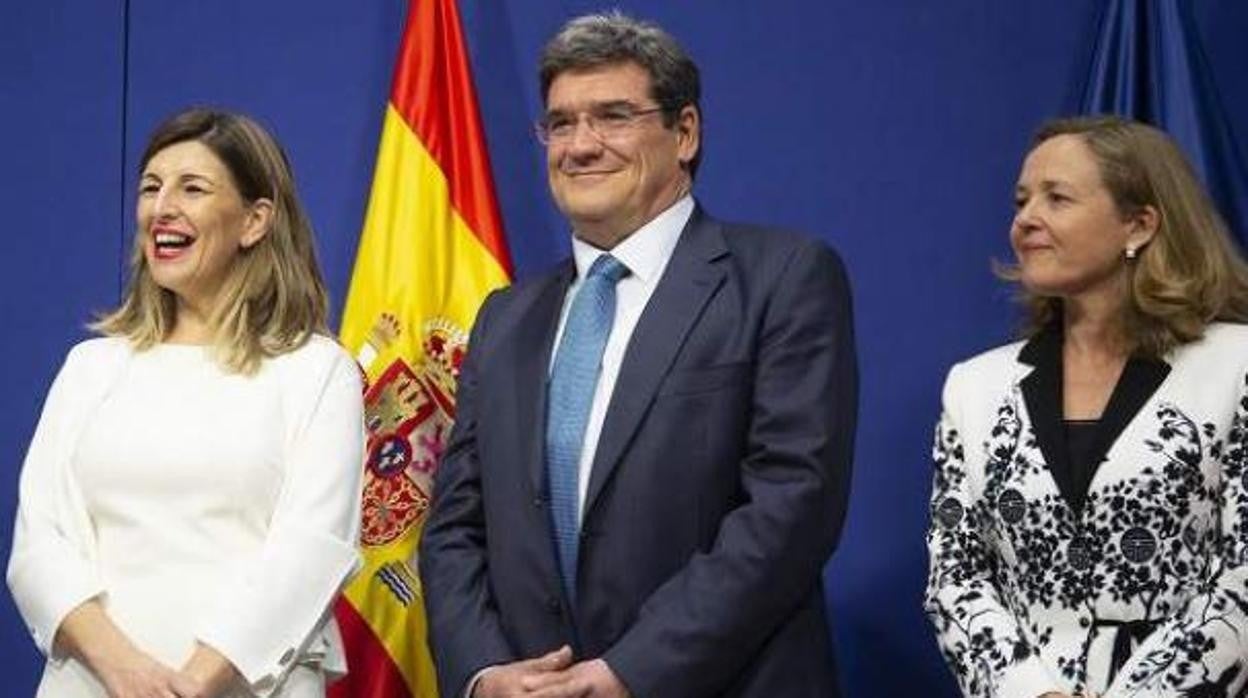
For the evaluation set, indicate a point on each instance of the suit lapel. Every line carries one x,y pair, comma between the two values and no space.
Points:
688,282
1139,380
533,346
1042,391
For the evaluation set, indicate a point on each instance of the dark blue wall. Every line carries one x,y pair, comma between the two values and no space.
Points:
893,130
60,131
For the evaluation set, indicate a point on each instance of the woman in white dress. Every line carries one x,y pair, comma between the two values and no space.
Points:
1089,529
189,503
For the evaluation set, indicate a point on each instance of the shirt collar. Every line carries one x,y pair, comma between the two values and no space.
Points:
647,250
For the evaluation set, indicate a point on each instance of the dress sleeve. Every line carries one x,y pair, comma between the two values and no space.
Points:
50,568
1202,649
977,633
265,620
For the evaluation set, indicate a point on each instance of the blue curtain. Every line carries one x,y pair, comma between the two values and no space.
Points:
1148,65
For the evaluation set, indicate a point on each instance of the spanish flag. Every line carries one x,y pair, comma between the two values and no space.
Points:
431,249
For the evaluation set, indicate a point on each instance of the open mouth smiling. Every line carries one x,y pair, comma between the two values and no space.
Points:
169,244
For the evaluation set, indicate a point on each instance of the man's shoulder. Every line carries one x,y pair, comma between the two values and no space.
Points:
763,241
509,306
759,235
527,285
764,251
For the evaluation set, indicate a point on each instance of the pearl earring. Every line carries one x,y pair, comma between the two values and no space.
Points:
1131,253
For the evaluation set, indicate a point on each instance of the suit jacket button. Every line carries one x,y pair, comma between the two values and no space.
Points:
538,502
552,605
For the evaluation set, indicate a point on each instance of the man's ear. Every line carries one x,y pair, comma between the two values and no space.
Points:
688,134
259,220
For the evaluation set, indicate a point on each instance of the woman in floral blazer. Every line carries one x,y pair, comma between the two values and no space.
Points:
1089,529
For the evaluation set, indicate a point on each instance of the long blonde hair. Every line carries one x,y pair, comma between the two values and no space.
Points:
273,298
1190,273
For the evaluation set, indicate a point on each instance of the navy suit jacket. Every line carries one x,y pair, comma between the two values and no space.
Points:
716,496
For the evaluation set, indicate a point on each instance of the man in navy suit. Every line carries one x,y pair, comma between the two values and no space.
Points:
651,461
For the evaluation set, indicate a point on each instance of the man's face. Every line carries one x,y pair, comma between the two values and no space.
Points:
613,178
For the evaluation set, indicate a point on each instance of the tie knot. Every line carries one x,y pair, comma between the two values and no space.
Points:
608,267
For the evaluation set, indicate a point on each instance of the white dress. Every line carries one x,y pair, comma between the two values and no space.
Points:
195,504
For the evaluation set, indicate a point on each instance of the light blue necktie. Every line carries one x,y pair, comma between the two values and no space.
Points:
572,382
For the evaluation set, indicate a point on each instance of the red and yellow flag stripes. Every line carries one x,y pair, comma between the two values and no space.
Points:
431,249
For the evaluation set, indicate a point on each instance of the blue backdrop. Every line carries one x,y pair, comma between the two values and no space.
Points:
893,130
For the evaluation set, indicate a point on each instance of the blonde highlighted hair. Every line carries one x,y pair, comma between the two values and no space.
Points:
1190,274
273,298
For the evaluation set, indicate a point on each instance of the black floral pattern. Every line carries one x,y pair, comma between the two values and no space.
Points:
1023,588
1211,623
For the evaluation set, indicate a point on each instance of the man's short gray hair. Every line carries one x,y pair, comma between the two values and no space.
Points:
594,40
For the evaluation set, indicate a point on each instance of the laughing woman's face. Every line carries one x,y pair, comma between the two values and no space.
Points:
193,222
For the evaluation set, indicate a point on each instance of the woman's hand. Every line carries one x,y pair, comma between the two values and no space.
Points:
207,674
125,671
136,675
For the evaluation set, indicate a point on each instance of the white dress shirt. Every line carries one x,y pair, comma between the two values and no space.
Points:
645,253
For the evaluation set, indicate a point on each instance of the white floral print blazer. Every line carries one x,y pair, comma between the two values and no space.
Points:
1138,587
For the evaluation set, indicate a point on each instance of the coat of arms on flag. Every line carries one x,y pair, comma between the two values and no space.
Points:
409,412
